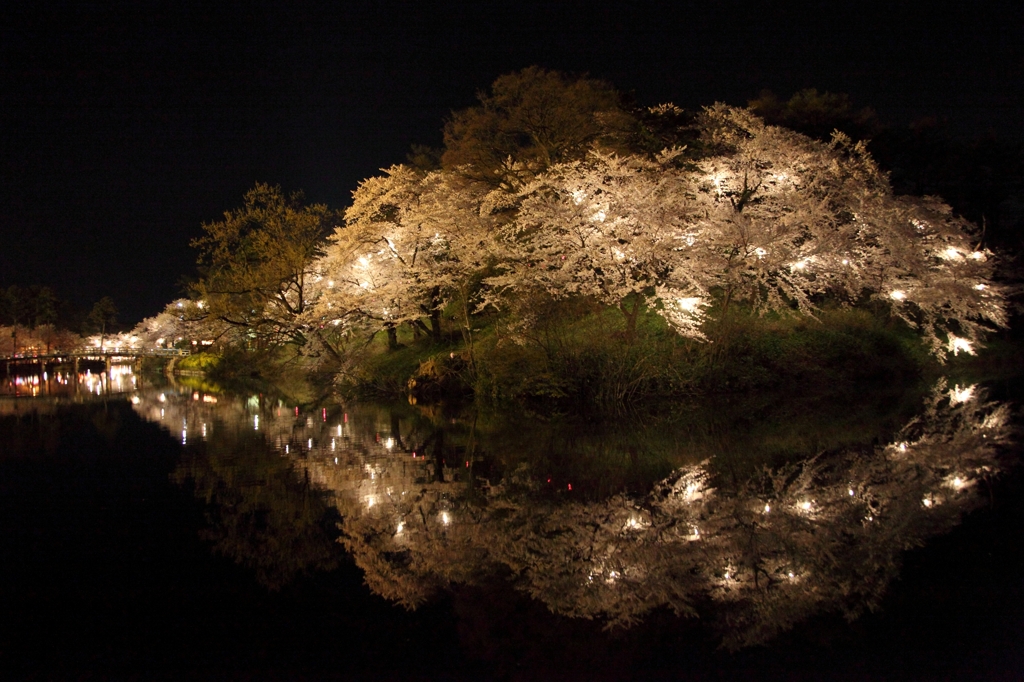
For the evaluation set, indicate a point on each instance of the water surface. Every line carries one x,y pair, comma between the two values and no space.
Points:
182,528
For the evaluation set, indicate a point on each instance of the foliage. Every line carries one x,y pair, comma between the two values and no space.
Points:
816,114
773,218
411,246
31,306
102,316
609,228
256,264
183,323
551,196
528,121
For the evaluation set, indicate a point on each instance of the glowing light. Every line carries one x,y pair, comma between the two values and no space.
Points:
958,483
760,253
767,508
689,304
981,287
927,501
897,295
256,422
956,344
389,443
399,528
310,445
852,493
578,196
446,518
950,253
978,255
961,395
903,447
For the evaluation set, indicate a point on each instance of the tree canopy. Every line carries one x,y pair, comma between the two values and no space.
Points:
256,263
551,188
534,118
768,216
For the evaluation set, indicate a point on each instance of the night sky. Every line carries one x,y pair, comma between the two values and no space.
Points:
124,127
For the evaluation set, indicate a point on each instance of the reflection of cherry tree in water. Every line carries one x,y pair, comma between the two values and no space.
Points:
260,513
823,535
753,553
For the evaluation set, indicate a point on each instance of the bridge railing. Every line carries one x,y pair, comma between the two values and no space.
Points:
97,353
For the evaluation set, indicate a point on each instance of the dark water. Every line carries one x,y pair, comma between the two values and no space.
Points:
177,532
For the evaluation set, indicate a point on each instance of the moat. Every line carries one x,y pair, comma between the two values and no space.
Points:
174,528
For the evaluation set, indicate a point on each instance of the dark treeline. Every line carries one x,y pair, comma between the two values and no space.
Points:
36,307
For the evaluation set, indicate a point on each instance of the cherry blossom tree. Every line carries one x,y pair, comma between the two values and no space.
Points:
790,220
769,216
411,245
618,229
182,320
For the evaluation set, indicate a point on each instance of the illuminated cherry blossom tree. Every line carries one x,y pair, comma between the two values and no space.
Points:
410,246
617,229
769,216
790,220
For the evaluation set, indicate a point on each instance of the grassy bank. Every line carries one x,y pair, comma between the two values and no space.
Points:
576,353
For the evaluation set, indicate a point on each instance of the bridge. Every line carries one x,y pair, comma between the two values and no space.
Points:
107,356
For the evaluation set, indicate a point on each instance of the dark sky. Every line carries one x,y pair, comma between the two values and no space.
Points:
124,127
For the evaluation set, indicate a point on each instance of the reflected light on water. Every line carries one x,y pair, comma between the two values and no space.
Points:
790,543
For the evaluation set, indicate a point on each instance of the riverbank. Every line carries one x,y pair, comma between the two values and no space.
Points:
585,357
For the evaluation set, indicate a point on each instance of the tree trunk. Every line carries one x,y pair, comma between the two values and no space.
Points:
631,316
392,332
435,314
327,346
